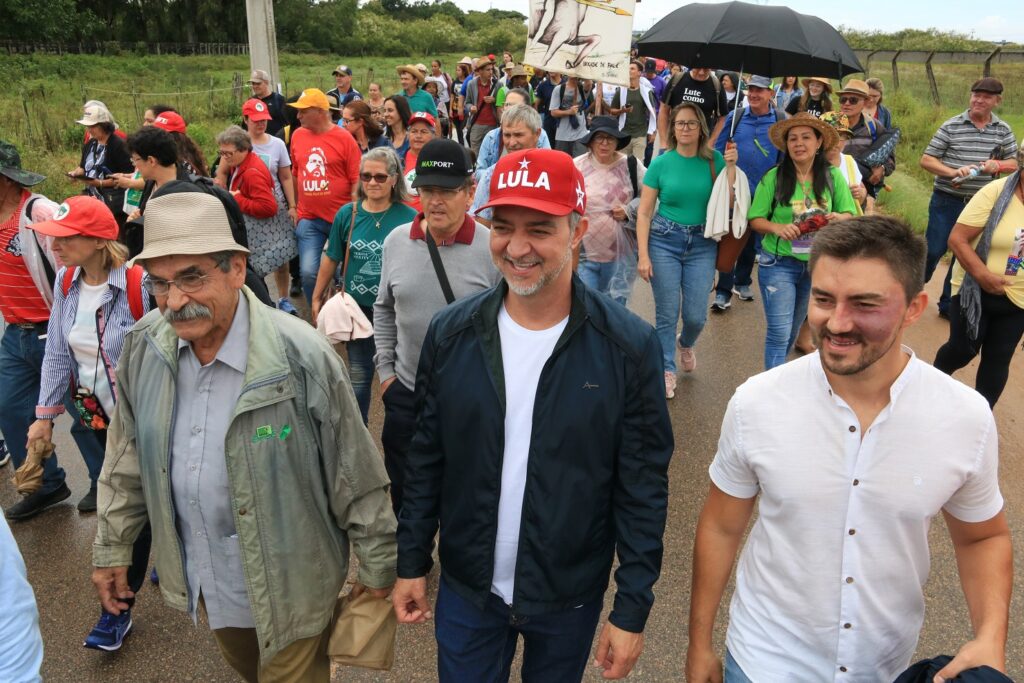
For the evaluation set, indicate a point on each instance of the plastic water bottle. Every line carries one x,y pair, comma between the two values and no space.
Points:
956,182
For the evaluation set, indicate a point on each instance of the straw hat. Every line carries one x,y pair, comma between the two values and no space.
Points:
857,87
412,71
839,121
186,223
819,79
468,61
777,133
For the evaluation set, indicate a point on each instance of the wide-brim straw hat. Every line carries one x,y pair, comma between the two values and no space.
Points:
186,223
819,79
412,71
777,133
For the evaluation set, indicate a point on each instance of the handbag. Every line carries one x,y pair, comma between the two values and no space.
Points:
730,246
363,632
341,319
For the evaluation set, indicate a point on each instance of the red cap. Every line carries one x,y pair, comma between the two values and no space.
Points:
421,116
80,215
541,179
170,121
256,110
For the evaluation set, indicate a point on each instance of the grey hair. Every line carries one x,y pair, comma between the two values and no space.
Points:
521,113
236,137
222,259
388,157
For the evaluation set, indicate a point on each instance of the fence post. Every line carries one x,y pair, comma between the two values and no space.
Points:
988,61
896,70
931,78
135,103
867,62
210,113
28,117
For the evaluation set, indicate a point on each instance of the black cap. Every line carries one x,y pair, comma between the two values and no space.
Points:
443,163
988,84
650,65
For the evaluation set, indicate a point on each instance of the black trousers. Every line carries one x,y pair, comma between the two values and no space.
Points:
999,332
140,550
399,427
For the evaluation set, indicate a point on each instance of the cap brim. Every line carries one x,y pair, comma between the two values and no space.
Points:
54,229
26,178
440,180
261,116
297,105
552,208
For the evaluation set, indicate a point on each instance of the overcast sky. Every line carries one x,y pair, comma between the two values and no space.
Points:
989,20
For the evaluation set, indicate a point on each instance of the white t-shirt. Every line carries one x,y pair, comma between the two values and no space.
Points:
848,167
828,586
275,155
83,341
523,354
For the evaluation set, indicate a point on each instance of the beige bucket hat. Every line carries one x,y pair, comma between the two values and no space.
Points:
186,223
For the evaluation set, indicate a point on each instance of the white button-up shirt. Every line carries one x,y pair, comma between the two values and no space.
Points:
829,584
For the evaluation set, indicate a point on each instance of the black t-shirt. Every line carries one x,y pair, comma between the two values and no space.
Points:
275,107
813,107
700,92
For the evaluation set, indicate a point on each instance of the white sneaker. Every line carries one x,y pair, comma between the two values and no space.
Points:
687,359
670,384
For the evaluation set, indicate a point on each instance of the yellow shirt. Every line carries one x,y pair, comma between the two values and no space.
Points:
1005,256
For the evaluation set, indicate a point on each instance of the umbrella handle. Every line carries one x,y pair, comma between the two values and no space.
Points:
736,107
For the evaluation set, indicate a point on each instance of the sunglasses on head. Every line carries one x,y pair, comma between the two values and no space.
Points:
377,177
850,99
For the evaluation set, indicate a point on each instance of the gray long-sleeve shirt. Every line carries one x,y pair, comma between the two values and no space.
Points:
410,293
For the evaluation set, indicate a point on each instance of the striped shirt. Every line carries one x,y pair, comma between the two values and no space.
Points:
958,142
113,321
20,300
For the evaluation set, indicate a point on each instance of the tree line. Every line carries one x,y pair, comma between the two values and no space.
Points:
379,27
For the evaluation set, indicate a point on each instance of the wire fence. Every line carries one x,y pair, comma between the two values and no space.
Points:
111,47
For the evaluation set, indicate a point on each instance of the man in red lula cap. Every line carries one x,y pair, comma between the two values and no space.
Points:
559,464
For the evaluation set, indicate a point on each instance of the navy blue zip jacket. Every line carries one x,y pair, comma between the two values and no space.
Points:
597,479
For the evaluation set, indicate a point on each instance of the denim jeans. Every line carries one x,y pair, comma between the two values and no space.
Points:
478,645
943,212
733,672
361,368
785,284
614,278
743,274
312,234
683,261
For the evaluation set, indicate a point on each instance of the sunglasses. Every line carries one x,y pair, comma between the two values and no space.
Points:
379,178
850,100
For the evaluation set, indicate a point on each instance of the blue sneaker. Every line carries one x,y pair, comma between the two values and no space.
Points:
5,455
109,632
153,578
285,304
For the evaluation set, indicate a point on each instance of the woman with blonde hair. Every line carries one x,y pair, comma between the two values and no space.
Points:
673,254
97,300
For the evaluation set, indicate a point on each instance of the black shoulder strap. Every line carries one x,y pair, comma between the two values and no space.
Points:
435,258
631,163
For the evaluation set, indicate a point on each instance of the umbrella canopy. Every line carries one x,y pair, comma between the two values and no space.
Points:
762,39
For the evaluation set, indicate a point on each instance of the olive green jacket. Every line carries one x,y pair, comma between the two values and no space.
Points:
304,476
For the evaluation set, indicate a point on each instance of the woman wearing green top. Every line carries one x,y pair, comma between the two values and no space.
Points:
673,254
803,185
379,205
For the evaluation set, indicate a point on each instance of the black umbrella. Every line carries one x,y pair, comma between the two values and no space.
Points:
762,39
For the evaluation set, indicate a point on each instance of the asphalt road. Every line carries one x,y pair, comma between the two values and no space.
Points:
165,646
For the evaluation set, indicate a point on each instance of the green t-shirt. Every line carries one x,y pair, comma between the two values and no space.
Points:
761,207
684,186
421,100
499,99
362,278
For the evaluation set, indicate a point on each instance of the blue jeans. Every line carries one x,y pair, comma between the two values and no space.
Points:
785,284
478,645
943,212
361,368
614,278
683,261
311,234
743,274
733,672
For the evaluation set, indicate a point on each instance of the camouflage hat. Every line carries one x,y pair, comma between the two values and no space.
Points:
10,166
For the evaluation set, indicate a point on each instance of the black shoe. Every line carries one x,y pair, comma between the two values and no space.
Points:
88,502
36,503
296,288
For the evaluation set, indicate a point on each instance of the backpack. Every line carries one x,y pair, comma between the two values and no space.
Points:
133,277
714,81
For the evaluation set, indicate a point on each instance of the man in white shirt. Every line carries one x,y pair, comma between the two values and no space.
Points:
853,450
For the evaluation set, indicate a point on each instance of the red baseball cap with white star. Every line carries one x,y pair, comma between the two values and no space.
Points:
542,179
256,110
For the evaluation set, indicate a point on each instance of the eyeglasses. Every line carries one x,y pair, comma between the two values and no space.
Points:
226,152
379,178
136,160
348,121
850,100
189,284
687,125
445,193
421,131
605,140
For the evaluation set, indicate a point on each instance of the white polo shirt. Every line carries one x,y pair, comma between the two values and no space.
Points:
829,584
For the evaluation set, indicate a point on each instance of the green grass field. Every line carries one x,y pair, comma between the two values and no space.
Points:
46,93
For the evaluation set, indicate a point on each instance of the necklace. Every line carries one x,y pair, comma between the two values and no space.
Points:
378,217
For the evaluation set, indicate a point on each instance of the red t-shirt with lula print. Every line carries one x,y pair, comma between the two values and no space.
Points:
20,300
326,169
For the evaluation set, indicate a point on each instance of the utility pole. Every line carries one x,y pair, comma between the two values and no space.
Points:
262,38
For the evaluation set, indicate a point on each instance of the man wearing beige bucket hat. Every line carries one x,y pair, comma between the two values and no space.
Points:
412,80
238,438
